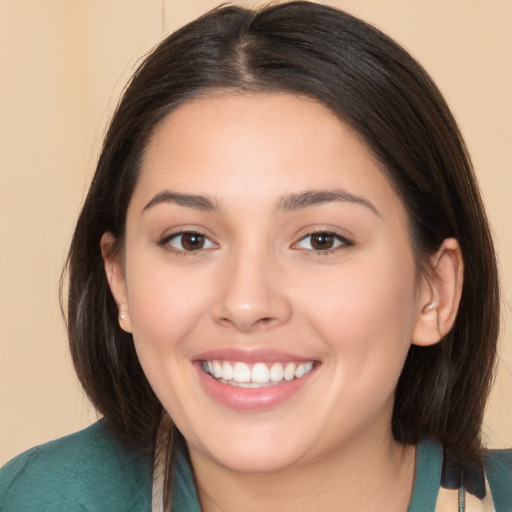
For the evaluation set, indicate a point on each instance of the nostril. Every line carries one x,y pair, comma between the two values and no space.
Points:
247,324
250,311
265,322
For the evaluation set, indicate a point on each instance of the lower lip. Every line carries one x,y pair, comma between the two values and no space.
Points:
251,399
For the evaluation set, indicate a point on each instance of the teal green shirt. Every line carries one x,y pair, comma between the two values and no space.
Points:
90,471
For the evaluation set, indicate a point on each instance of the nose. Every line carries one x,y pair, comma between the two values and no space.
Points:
251,294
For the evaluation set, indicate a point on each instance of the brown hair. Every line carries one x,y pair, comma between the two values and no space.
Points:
371,83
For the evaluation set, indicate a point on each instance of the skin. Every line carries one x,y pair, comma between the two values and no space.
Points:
258,283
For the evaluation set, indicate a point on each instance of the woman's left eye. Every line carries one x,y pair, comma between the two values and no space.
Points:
189,241
321,241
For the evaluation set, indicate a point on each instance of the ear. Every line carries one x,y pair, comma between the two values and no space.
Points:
440,295
115,277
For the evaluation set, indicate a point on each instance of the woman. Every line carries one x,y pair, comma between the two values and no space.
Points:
283,290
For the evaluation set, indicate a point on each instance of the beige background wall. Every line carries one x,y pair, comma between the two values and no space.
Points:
62,66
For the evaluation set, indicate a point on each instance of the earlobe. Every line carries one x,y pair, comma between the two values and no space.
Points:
115,278
124,318
440,295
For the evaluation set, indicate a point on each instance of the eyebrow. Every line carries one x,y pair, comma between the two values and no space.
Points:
198,202
288,203
307,199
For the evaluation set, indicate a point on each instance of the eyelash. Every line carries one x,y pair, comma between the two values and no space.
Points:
343,242
165,243
337,237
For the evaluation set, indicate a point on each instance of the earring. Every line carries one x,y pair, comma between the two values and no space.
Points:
122,313
430,307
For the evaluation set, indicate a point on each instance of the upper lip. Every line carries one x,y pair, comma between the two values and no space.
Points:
251,355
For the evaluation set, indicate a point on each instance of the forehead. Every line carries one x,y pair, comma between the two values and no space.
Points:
256,147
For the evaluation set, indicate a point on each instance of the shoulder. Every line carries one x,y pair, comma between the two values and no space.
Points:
86,471
429,460
498,468
184,494
429,495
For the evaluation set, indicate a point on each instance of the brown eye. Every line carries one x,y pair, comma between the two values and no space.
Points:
322,241
189,242
192,241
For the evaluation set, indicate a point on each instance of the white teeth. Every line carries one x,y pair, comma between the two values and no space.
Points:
217,369
302,369
289,371
276,372
251,385
241,372
260,375
227,371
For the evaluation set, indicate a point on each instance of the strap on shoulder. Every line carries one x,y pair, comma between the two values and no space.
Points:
458,500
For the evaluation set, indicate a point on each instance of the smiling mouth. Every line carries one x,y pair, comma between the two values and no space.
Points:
256,375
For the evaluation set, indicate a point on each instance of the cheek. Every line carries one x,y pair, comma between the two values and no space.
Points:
365,312
165,305
165,309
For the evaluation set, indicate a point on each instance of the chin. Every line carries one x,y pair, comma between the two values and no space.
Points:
257,461
261,450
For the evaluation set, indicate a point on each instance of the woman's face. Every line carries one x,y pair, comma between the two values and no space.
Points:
264,246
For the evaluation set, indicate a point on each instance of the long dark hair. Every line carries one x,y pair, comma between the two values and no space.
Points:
371,83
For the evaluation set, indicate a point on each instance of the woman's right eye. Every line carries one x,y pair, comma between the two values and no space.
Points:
188,241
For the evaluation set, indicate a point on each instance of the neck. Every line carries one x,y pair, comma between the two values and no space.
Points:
370,474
